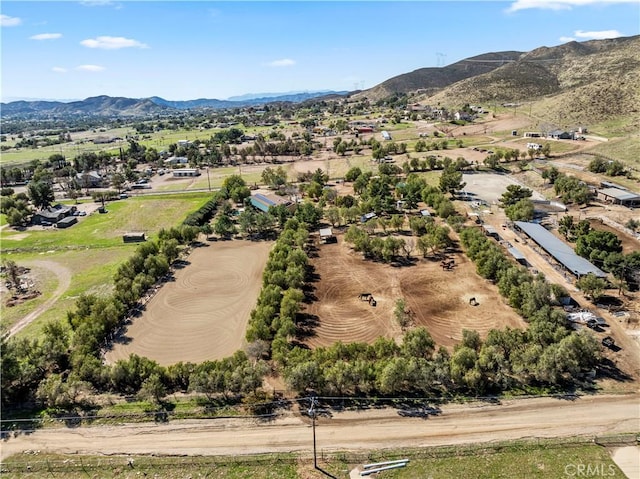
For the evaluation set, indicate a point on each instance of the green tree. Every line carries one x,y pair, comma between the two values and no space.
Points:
451,180
522,210
40,193
592,286
513,194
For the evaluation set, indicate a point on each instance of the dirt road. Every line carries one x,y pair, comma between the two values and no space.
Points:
64,280
372,429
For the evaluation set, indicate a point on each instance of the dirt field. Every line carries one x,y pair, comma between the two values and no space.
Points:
203,314
438,299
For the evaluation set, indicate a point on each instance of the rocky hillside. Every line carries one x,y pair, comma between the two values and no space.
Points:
431,80
576,83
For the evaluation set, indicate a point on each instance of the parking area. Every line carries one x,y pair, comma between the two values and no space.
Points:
489,186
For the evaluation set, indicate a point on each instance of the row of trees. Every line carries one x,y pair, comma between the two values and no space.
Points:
66,360
274,317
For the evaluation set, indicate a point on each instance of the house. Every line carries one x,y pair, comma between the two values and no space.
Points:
327,236
462,116
134,237
560,135
186,172
52,215
184,143
89,179
176,160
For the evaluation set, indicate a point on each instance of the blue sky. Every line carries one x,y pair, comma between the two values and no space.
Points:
202,49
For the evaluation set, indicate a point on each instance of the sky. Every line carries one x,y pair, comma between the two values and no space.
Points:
180,50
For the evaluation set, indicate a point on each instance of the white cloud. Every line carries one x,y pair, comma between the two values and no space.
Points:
7,21
598,35
90,68
285,62
593,35
45,36
559,4
112,43
59,70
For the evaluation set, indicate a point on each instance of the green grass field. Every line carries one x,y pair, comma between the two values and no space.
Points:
147,213
542,459
91,250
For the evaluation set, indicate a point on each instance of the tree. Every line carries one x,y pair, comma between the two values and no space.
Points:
41,194
522,210
566,226
514,194
401,314
153,389
224,226
274,177
451,180
592,286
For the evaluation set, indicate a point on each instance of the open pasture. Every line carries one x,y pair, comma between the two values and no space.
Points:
202,314
437,299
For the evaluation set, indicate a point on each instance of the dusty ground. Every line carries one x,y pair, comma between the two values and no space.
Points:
63,276
203,314
351,430
438,299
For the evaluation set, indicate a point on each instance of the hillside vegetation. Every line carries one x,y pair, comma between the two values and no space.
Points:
572,83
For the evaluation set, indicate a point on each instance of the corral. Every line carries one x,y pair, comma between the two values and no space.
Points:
437,299
203,314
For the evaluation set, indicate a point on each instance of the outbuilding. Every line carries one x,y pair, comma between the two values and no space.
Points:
326,236
66,222
134,237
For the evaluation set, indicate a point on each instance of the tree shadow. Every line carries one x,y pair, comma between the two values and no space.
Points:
305,325
609,369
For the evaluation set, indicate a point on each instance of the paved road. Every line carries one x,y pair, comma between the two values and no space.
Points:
365,430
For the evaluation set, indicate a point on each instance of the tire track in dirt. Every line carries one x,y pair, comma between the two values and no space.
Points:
64,281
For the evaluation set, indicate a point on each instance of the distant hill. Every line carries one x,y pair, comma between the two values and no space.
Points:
288,96
574,83
136,107
431,80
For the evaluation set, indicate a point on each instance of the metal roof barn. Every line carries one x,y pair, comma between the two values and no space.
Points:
560,251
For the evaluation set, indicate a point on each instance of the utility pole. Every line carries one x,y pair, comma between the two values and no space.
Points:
312,413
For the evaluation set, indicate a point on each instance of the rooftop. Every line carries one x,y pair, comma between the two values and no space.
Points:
562,252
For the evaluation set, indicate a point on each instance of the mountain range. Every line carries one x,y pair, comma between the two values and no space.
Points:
580,82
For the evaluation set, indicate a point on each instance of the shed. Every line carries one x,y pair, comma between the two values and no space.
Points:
367,217
326,235
264,202
490,231
134,237
386,135
517,255
66,222
618,196
185,172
